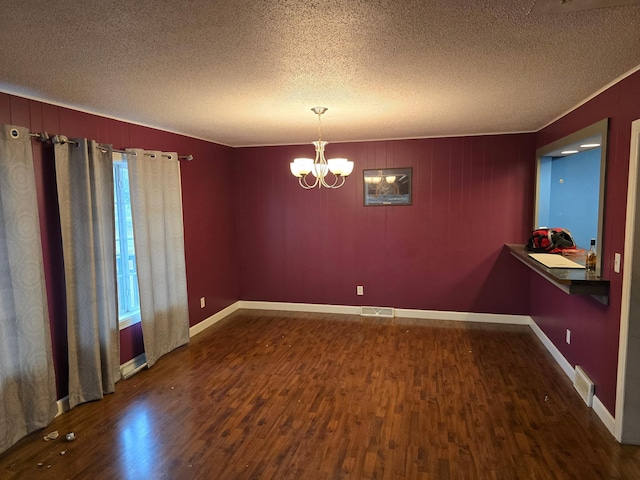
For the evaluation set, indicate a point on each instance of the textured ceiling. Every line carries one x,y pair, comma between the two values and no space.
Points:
244,73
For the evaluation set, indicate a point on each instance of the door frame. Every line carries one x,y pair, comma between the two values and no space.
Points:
627,414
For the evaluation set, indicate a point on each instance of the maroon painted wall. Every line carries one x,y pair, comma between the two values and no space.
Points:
471,195
594,327
208,212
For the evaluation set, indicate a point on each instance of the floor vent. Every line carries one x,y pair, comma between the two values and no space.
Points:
377,312
133,366
584,386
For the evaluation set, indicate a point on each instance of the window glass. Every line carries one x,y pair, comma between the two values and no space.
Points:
128,296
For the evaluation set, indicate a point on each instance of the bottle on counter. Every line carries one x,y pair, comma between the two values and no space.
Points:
590,263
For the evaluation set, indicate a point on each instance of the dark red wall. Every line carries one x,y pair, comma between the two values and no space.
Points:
594,327
208,212
471,195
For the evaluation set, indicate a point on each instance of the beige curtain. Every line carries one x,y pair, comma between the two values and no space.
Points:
156,204
27,377
84,175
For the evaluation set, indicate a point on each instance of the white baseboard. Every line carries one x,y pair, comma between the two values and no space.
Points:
399,312
63,405
603,414
300,307
464,316
216,317
555,353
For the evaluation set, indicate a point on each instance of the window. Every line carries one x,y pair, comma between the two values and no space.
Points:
128,296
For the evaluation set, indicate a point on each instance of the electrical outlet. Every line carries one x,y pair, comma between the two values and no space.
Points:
568,339
360,290
201,302
616,262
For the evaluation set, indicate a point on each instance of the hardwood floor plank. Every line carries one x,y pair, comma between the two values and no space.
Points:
284,395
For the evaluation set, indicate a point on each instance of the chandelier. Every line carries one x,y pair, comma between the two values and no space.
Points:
320,167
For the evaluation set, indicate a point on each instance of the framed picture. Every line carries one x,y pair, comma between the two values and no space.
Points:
387,186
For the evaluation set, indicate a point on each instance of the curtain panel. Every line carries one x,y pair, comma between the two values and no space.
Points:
156,204
27,377
84,176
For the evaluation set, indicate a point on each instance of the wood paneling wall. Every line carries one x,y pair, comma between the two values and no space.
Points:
471,195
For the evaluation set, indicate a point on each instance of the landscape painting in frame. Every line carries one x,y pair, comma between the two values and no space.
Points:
387,186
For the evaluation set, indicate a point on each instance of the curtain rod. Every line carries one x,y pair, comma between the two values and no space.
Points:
44,137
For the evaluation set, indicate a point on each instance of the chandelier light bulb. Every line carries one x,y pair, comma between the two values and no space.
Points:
301,166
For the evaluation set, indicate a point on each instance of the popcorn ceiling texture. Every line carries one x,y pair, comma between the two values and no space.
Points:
247,72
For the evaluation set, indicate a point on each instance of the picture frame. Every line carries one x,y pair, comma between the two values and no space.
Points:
387,186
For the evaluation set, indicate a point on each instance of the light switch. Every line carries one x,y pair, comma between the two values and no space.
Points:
616,262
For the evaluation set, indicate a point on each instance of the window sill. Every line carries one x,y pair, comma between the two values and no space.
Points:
126,322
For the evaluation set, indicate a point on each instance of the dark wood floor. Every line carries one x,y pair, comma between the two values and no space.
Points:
265,395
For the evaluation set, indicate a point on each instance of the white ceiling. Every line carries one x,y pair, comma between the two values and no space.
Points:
247,72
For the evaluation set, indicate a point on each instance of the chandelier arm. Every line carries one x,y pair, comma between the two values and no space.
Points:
332,185
339,181
304,184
